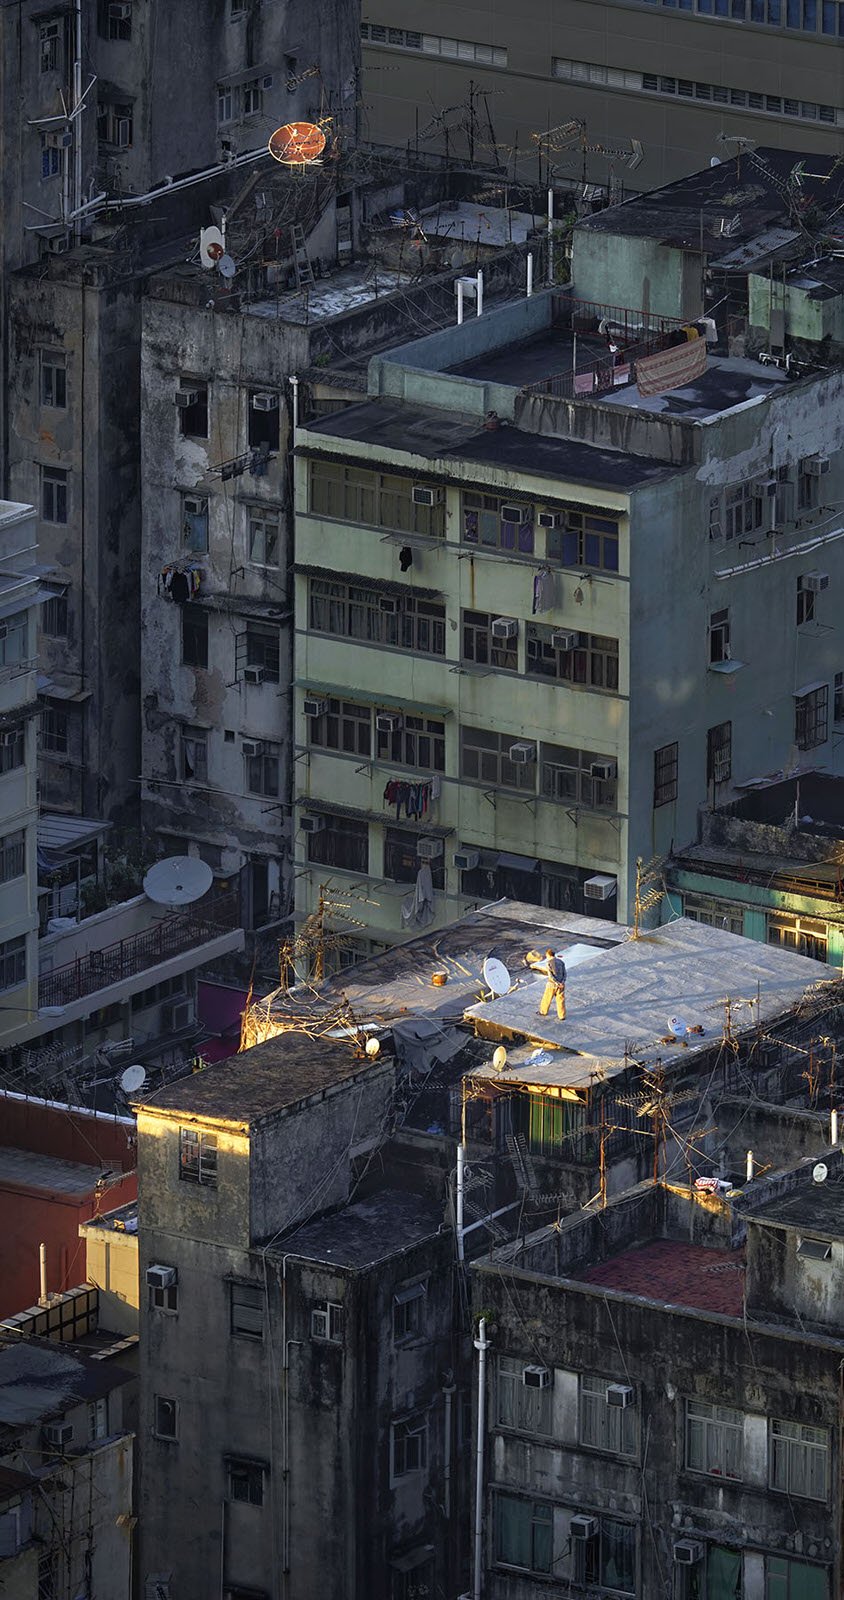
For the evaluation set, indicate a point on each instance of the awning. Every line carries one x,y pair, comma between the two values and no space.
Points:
810,688
60,691
518,863
343,692
383,585
59,833
328,808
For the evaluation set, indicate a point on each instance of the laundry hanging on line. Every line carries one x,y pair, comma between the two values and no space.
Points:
415,797
180,583
544,590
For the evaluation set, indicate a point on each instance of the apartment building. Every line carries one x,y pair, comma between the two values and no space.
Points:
712,1468
529,595
685,80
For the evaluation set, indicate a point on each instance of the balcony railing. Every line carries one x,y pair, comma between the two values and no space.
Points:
101,968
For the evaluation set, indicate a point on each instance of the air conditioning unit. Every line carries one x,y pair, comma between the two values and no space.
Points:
620,1395
600,887
816,466
389,604
59,141
550,519
583,1527
266,83
564,639
253,674
120,13
314,707
536,1377
312,824
505,628
605,770
769,487
523,753
467,860
58,1434
177,1016
423,494
389,722
429,849
518,514
688,1552
185,398
161,1277
816,582
251,747
264,401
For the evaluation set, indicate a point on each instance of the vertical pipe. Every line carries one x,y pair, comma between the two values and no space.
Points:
461,1161
550,236
448,1394
459,301
749,1167
530,274
294,384
833,1126
481,1347
480,295
42,1262
77,124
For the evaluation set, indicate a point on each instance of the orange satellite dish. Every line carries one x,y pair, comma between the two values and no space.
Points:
297,144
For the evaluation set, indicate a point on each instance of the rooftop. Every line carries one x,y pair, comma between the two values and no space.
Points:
799,1201
339,291
124,1219
727,382
675,1273
367,1231
25,1169
40,1380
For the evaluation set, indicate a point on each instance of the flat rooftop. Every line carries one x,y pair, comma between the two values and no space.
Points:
124,1219
40,1380
367,1231
816,1207
675,1274
339,291
25,1169
727,382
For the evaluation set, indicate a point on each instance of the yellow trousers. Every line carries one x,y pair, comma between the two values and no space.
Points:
553,991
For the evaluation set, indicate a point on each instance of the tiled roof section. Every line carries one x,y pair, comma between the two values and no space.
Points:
676,1274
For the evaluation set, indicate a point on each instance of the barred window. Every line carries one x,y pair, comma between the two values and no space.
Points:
811,715
665,774
719,753
401,858
12,855
591,660
13,962
352,611
341,842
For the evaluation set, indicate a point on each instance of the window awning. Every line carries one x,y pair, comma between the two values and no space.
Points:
810,688
518,863
364,697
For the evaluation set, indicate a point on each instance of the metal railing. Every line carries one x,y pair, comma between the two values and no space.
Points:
637,334
137,953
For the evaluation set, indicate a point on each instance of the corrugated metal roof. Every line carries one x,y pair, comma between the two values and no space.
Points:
59,833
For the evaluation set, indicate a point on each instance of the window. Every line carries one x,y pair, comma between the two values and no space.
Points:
54,732
194,755
586,539
50,45
246,1311
252,97
434,44
807,935
114,123
811,712
592,659
719,636
14,640
524,1533
54,494
485,758
377,499
225,103
115,20
245,1482
161,1299
409,1445
665,774
259,647
814,1249
195,522
480,646
54,379
419,743
54,617
838,698
263,419
12,855
262,770
805,602
198,1157
496,523
373,616
97,1419
546,1123
609,1558
13,962
343,726
401,859
341,842
12,748
713,913
518,1405
714,1437
52,157
327,1322
194,636
192,408
165,1417
573,776
794,1580
408,1312
605,1425
719,753
263,537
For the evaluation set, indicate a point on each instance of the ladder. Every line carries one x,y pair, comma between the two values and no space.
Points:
302,269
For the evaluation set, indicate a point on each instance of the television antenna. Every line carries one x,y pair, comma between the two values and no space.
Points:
133,1079
496,976
178,881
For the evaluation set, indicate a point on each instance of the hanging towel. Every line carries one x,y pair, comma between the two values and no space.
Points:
543,590
417,909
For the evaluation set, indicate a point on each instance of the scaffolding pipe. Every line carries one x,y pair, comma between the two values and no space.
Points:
461,1166
477,1574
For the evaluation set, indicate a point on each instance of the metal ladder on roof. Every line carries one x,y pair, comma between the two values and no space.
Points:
302,269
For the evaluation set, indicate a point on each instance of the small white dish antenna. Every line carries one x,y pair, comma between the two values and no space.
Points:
820,1173
211,246
178,881
373,1048
226,267
499,1058
678,1026
133,1079
496,976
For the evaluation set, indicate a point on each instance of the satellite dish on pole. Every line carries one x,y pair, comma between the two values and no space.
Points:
496,976
297,144
211,246
133,1079
226,267
178,881
678,1026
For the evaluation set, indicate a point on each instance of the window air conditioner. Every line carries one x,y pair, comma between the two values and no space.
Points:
59,141
605,770
264,401
688,1552
314,707
120,13
312,824
253,674
815,582
161,1277
600,887
523,753
423,494
388,722
564,639
467,860
620,1395
504,628
429,849
583,1527
816,466
58,1434
515,514
550,519
177,1016
251,747
185,398
536,1377
769,486
389,604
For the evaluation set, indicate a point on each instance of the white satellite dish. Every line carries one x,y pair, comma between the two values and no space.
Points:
133,1079
678,1026
496,976
820,1173
178,881
211,246
499,1058
226,267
